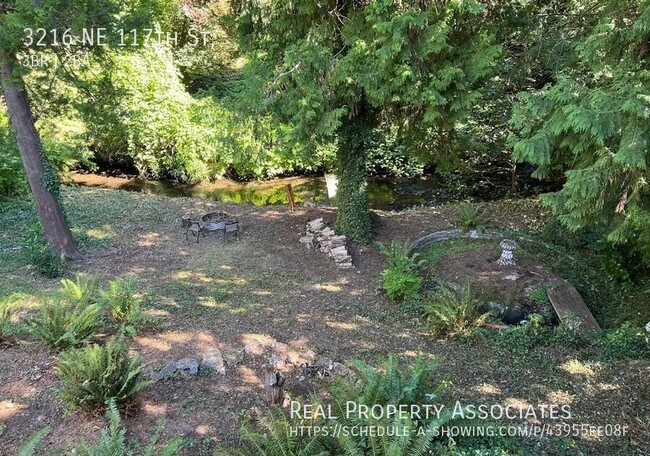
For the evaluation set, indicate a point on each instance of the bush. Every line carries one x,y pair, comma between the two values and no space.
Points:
46,259
471,216
82,290
400,280
62,324
627,341
452,313
12,174
121,301
6,313
96,374
112,441
397,384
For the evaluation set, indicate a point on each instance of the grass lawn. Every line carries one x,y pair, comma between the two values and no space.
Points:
265,286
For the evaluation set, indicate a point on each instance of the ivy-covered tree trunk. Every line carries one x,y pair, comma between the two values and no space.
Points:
41,179
353,216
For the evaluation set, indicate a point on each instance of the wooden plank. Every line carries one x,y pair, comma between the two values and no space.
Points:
569,305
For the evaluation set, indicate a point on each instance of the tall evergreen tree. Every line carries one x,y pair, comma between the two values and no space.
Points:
336,69
593,123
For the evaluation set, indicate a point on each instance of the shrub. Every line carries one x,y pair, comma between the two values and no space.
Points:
6,313
112,441
96,374
270,435
46,259
400,285
30,447
12,174
627,341
471,216
400,280
122,302
397,384
62,324
82,290
452,312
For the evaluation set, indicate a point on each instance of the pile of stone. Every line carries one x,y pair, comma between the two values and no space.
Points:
212,362
321,237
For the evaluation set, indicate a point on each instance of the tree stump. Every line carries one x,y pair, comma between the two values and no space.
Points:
273,382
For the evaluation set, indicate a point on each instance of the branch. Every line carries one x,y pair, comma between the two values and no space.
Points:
275,81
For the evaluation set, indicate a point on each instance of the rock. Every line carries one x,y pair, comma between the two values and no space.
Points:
340,370
188,364
279,355
254,347
165,372
213,360
512,277
308,241
344,265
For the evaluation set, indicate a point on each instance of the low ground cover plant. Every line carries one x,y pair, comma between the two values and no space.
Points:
400,280
454,312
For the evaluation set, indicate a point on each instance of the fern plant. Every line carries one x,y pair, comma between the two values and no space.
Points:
121,301
400,279
471,216
6,314
82,290
453,313
29,448
271,435
112,441
96,374
397,385
62,324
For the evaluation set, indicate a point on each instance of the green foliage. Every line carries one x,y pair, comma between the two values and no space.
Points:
454,312
352,217
122,302
83,290
32,444
395,383
471,216
539,297
112,441
600,293
62,324
400,280
626,341
7,311
95,374
45,258
591,124
12,175
71,317
398,384
270,435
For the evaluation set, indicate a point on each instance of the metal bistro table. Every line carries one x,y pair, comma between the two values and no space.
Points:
210,223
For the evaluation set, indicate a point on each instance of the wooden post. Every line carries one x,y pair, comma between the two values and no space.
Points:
273,382
292,201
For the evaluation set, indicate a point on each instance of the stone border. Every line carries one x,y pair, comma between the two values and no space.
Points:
452,234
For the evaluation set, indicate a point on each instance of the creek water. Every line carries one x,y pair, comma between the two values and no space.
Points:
383,193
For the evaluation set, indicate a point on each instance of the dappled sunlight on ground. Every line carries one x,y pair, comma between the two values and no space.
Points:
9,409
489,389
575,367
560,397
342,325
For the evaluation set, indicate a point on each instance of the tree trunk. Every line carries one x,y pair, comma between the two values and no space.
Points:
353,216
55,228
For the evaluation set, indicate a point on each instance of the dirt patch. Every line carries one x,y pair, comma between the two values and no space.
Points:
508,286
221,295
